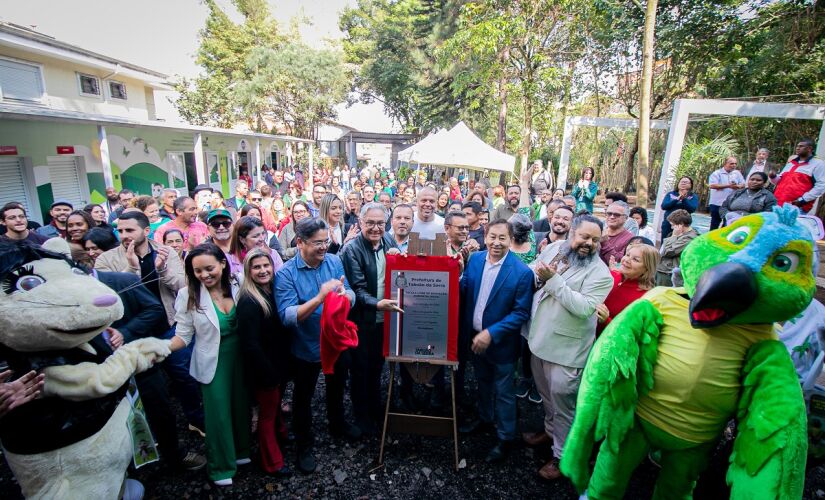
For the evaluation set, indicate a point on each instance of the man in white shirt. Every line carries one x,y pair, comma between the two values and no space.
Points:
723,182
427,223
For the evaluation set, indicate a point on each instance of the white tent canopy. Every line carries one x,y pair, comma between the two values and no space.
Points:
458,147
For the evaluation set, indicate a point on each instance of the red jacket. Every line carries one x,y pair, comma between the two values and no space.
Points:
337,333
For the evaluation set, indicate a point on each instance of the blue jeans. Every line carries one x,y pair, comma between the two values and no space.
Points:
496,396
715,217
185,388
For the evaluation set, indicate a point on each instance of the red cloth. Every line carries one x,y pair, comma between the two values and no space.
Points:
337,333
793,185
271,427
621,296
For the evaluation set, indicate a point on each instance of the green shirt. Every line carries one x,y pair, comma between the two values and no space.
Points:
226,321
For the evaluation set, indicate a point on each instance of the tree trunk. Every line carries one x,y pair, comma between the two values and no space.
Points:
501,135
526,135
643,143
628,183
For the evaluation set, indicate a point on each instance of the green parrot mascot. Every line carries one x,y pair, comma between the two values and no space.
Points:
676,365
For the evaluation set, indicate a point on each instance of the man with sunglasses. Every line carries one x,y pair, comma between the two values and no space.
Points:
220,228
616,236
459,244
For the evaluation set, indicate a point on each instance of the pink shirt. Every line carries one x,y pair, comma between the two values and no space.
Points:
192,237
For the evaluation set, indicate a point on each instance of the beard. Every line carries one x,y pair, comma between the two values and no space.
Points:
574,258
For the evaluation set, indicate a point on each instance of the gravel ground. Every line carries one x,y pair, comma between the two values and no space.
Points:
415,467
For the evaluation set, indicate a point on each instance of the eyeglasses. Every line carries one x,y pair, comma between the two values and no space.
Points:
460,228
319,243
220,223
369,224
614,214
256,199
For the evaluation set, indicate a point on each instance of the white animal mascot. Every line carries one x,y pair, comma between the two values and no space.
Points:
73,442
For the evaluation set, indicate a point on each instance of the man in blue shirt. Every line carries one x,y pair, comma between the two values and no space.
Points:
301,286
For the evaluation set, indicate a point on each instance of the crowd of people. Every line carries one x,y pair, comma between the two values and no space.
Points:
244,287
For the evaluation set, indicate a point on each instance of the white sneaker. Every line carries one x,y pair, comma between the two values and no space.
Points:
223,482
243,461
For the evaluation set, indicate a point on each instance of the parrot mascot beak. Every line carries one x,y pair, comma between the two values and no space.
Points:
723,291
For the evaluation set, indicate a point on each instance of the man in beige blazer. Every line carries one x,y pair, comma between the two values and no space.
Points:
571,281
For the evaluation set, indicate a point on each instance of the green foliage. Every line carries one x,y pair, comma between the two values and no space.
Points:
702,156
392,43
293,84
255,74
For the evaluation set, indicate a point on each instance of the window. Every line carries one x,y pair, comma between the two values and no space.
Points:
89,85
20,81
117,90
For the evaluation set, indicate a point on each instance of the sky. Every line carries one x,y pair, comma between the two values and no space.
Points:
163,34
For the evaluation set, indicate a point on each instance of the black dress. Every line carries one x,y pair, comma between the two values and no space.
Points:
265,343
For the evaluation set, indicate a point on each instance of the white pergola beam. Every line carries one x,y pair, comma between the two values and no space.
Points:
590,121
678,128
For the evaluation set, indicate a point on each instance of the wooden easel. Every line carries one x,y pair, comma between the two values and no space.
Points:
423,425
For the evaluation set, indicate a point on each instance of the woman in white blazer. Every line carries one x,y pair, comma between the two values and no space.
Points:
205,309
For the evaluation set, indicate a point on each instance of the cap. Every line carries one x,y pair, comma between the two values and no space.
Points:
218,212
61,202
202,187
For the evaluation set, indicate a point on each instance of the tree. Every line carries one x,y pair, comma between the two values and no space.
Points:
392,44
295,85
536,39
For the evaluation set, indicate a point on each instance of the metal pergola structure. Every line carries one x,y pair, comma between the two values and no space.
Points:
589,121
686,107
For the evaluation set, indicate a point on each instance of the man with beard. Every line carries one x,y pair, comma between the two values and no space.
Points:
510,206
559,226
572,281
402,221
167,201
364,260
59,211
238,201
318,193
186,221
427,223
543,224
220,228
112,201
458,244
278,183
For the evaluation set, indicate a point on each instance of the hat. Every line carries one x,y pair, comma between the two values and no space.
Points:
202,187
218,212
61,202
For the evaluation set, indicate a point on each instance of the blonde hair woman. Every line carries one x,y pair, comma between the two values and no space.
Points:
331,211
635,275
265,346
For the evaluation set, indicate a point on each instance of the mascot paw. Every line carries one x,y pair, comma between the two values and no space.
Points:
151,351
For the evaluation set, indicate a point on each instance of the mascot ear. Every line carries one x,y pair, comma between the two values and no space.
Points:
58,245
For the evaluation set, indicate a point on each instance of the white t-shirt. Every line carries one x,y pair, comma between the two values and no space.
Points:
428,230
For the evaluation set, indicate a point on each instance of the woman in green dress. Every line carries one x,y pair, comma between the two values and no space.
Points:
205,309
585,191
523,243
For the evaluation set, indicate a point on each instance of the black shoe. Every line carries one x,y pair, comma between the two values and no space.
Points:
285,472
523,388
498,452
306,461
476,427
346,431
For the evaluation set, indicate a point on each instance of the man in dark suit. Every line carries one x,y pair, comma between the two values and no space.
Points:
364,260
497,292
144,316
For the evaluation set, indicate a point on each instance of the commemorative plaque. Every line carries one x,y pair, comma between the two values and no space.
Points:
426,289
